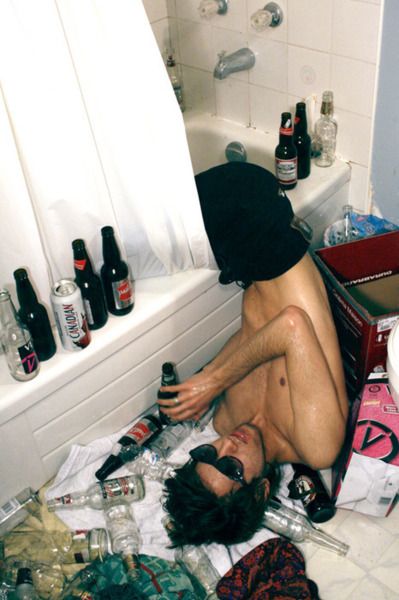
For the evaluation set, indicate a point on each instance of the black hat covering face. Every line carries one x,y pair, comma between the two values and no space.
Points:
249,222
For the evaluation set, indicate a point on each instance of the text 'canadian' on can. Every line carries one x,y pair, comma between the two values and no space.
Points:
70,315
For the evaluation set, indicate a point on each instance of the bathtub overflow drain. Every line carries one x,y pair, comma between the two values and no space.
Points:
235,152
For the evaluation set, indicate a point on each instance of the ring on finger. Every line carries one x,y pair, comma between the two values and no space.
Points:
176,401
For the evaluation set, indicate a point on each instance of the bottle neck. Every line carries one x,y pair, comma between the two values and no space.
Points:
286,134
7,310
26,294
111,252
327,109
326,541
81,263
301,124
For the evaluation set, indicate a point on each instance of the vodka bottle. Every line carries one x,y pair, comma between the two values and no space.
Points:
140,432
168,377
326,132
117,281
16,341
286,158
149,464
34,316
90,286
175,78
297,528
99,494
57,547
24,589
196,562
17,508
48,579
170,438
125,537
308,486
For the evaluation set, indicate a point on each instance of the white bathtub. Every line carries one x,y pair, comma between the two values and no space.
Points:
186,318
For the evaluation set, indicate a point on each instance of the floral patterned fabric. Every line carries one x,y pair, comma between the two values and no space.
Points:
274,570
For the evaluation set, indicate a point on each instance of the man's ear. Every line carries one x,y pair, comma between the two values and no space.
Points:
263,488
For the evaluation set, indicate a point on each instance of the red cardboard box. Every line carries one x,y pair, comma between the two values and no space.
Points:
362,281
366,478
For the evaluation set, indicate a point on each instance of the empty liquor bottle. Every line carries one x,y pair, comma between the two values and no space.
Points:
16,341
99,494
142,431
147,463
297,528
325,134
168,377
48,579
34,316
17,508
308,487
170,438
117,281
302,140
125,536
195,560
286,154
90,286
24,588
175,77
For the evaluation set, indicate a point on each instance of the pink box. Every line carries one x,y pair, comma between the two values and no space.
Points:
366,476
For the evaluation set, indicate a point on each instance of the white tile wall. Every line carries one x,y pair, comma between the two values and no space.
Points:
321,44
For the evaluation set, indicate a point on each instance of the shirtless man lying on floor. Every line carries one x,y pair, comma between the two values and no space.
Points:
281,375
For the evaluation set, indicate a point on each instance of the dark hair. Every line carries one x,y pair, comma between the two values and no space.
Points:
199,516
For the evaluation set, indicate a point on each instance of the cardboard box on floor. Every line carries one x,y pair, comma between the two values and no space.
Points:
366,476
362,281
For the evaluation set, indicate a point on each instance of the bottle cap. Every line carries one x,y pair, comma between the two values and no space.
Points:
111,464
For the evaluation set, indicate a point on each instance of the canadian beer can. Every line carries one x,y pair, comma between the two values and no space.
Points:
70,315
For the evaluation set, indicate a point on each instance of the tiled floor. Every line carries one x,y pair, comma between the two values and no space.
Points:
370,570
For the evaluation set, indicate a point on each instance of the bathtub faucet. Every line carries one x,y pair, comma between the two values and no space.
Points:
231,63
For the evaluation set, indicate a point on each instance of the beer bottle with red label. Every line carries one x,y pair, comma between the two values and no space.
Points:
308,487
90,286
286,154
117,281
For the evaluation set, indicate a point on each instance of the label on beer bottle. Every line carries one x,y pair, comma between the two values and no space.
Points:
286,170
28,357
80,264
123,293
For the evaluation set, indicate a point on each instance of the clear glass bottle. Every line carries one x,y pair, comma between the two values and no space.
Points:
141,431
57,547
99,494
297,528
148,464
115,274
24,588
170,438
17,508
48,579
35,316
16,341
286,156
175,77
168,377
90,286
125,536
195,560
325,135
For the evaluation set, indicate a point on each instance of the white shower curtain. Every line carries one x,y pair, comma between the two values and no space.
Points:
90,135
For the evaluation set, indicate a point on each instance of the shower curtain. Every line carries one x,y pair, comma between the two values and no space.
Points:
90,135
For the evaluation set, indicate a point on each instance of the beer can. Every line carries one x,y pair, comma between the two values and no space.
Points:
70,315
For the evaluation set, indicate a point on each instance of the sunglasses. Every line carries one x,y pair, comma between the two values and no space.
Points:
230,466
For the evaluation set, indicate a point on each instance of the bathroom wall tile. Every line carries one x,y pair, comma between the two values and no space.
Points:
359,193
310,24
232,100
228,41
199,90
266,107
188,9
162,34
355,29
308,72
270,69
155,10
195,47
354,134
278,33
372,589
170,7
357,97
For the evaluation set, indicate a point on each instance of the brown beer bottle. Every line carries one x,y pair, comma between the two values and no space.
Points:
168,377
286,154
302,140
90,286
308,486
117,281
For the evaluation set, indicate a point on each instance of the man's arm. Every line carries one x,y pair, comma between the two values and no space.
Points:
318,424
